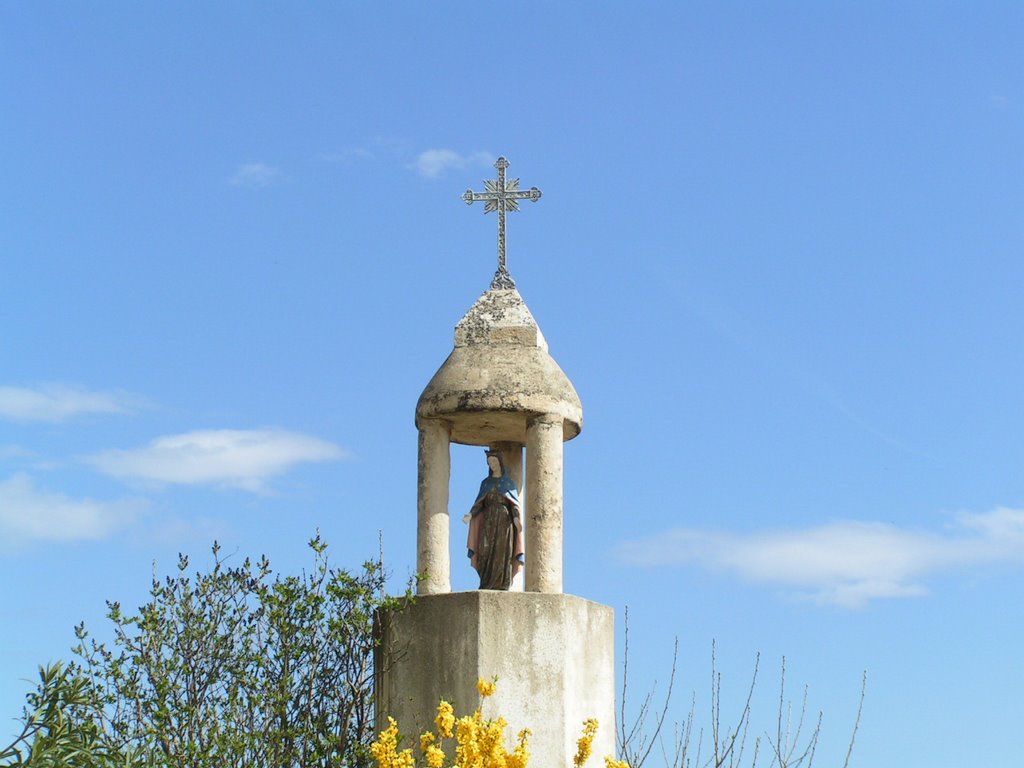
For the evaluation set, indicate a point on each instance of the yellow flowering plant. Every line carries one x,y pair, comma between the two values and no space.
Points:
445,719
479,741
385,749
586,742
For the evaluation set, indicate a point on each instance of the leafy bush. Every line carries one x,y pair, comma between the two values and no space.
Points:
224,669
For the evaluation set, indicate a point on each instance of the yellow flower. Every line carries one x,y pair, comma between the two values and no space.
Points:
385,749
479,742
486,689
585,744
435,756
611,762
521,755
445,719
386,743
467,738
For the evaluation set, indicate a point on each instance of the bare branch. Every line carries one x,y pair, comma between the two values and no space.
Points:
856,722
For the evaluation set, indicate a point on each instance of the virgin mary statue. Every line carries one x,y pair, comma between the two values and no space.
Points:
496,528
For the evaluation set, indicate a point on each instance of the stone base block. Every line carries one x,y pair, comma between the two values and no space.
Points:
553,655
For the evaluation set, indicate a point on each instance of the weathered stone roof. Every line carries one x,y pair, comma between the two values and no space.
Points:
498,376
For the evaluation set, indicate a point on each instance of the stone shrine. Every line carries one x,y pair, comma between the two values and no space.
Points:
552,653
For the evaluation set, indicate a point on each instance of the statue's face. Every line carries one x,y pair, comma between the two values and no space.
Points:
494,464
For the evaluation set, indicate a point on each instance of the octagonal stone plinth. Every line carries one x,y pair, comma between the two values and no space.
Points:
553,656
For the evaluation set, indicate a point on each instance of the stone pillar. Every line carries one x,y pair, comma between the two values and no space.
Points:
544,504
433,559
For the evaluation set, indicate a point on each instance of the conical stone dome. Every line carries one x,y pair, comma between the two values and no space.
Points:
499,376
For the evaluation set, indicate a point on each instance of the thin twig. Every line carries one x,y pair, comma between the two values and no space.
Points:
856,723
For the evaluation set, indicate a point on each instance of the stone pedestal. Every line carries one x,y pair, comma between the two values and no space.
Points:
553,655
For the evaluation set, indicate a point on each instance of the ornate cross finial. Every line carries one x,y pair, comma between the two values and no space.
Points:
501,196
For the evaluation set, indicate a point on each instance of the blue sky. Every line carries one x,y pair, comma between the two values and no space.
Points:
779,253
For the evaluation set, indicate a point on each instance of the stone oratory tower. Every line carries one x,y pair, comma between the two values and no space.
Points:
552,653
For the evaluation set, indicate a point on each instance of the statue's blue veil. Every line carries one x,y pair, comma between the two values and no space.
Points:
504,484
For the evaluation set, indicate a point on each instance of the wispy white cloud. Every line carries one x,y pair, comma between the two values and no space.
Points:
28,513
433,162
233,458
844,563
57,402
254,175
15,452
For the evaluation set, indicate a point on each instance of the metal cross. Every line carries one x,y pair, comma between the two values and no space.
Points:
501,196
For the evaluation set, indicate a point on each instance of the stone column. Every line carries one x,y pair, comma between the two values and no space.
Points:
433,559
544,504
